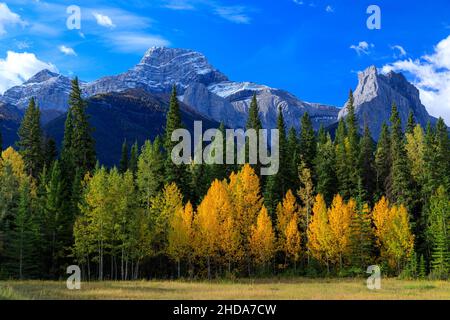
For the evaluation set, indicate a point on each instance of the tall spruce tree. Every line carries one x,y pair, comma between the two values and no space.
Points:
253,122
307,142
411,123
325,168
123,165
293,160
174,173
342,163
31,141
51,152
134,155
367,165
439,233
382,162
399,180
352,147
276,186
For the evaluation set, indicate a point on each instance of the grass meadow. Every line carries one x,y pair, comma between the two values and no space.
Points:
260,289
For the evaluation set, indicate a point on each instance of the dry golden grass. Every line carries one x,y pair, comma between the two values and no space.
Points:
292,289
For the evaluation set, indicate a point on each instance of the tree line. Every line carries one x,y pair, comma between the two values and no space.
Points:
336,206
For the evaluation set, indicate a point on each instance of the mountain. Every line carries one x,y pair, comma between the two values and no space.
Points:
239,95
10,117
199,84
375,94
51,91
159,70
134,115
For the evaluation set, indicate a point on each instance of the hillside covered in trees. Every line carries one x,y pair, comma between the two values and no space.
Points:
335,206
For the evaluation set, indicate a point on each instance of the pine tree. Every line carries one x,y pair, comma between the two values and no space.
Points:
173,173
253,122
342,164
50,152
399,183
123,164
352,147
382,162
56,221
81,143
30,140
134,155
293,160
307,141
438,233
422,268
411,123
21,244
362,241
276,185
325,168
367,165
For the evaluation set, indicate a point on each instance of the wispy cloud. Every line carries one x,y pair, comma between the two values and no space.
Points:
362,47
7,17
19,67
67,50
399,51
179,5
236,14
431,75
329,9
130,42
103,20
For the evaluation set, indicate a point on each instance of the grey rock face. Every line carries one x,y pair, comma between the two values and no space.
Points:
199,84
375,94
51,91
239,95
159,70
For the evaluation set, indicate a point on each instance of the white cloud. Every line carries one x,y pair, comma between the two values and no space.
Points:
7,17
234,14
135,42
362,48
19,67
299,2
401,51
179,5
431,75
67,50
103,20
329,9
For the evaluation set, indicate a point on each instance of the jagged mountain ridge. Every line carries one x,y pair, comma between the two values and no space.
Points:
199,85
375,94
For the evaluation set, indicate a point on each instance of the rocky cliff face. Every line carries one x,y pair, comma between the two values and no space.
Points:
199,84
239,95
51,91
375,94
159,70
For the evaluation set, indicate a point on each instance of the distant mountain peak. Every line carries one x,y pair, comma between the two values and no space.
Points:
375,94
42,76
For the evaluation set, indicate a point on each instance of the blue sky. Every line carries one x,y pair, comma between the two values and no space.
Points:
312,48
